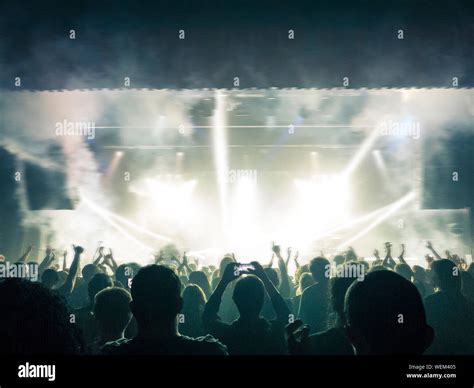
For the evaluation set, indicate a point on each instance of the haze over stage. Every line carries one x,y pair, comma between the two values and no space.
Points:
234,170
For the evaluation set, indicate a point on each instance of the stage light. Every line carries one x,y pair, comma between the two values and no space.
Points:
327,195
392,210
123,220
350,223
362,152
314,161
318,205
113,165
380,163
179,161
161,122
244,215
270,122
219,139
106,217
172,200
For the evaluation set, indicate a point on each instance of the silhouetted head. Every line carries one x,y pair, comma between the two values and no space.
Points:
339,287
200,278
62,276
35,320
112,309
404,270
470,269
319,269
385,315
98,282
376,262
419,274
194,298
49,278
248,296
467,285
339,259
223,264
156,295
365,264
124,273
89,271
272,275
184,281
306,280
446,275
378,268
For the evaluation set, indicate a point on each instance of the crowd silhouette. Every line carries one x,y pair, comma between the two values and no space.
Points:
341,305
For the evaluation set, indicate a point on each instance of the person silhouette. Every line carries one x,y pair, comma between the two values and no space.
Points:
385,315
250,333
156,303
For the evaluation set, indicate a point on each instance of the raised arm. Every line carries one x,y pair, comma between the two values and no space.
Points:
402,254
295,258
109,260
100,255
47,261
64,260
270,264
68,285
282,266
388,261
183,265
210,317
279,305
288,256
429,245
25,255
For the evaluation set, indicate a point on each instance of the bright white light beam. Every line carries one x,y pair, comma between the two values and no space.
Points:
117,226
393,209
351,223
130,224
219,140
362,152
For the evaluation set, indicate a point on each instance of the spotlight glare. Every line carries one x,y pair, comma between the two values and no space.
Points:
392,210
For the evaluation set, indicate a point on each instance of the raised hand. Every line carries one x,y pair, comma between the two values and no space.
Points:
64,259
77,249
376,254
258,270
275,249
288,257
271,261
230,273
158,257
429,245
429,259
297,335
